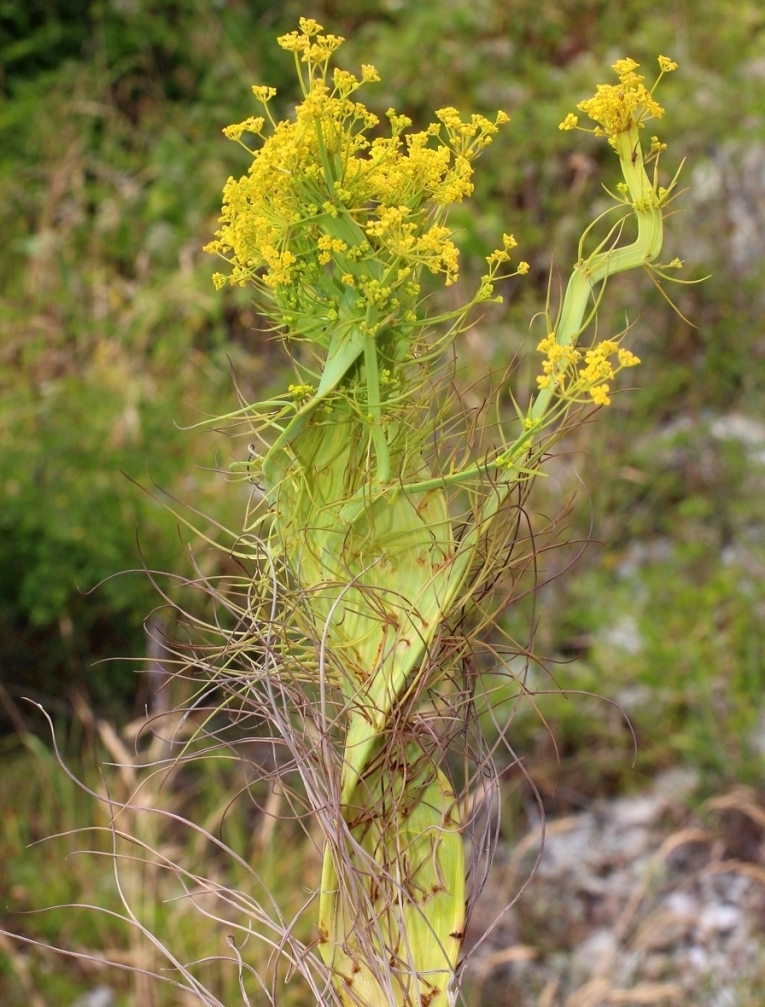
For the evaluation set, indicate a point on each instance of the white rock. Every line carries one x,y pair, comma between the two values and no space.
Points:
697,958
744,429
630,811
567,850
624,635
682,904
717,918
101,996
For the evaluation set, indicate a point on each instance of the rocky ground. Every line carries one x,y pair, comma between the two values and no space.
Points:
635,901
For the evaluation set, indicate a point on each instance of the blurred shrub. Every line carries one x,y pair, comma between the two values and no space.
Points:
111,166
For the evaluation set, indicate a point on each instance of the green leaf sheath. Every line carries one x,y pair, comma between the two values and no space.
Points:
405,899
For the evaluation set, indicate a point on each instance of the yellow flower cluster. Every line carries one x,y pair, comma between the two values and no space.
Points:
573,383
497,259
618,107
308,45
325,206
468,138
262,93
327,245
404,238
301,391
253,124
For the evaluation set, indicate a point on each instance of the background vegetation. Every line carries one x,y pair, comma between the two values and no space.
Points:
113,340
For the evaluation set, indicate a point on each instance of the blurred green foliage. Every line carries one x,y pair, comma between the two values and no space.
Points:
110,172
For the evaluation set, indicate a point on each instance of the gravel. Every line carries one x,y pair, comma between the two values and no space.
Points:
635,901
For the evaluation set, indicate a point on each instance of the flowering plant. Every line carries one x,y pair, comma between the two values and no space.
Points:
380,521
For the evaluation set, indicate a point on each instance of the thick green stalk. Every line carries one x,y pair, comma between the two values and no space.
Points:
386,685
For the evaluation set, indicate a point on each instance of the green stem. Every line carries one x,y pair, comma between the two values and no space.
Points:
598,267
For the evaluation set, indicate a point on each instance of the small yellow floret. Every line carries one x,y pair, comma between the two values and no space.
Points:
666,64
254,124
624,67
292,41
569,122
300,391
497,257
600,395
310,27
523,268
628,359
344,81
